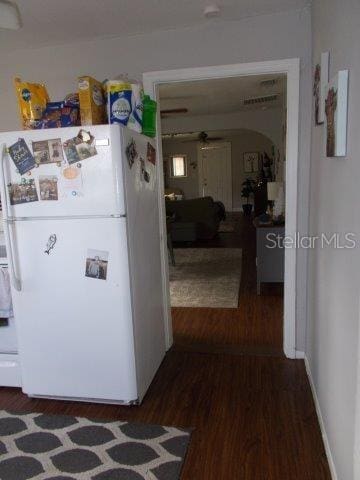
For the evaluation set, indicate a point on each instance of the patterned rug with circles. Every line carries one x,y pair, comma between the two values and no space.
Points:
55,447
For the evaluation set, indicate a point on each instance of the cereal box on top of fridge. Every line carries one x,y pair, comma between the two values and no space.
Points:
92,102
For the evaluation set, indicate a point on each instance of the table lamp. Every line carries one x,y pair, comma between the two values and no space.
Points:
272,194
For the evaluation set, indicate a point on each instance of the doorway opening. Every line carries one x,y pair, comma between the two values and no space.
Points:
212,175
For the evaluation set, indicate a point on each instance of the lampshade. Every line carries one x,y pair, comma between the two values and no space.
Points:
272,190
9,15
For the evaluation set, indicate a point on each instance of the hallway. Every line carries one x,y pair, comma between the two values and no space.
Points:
255,327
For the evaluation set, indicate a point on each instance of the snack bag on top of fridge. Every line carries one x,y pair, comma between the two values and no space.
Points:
32,100
61,114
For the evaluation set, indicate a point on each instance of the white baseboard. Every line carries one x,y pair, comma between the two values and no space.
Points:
321,422
299,354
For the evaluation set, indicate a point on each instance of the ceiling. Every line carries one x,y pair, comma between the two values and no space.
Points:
194,136
223,95
50,22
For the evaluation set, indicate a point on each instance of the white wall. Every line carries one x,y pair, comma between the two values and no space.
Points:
259,38
241,142
334,275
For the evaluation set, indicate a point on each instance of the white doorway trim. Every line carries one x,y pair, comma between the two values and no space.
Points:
290,67
227,173
357,417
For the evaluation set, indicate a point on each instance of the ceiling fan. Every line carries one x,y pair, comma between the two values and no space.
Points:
203,137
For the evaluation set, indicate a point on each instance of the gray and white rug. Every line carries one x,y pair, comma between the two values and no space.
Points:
205,277
53,447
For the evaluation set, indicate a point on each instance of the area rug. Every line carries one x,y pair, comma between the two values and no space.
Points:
52,447
226,226
205,277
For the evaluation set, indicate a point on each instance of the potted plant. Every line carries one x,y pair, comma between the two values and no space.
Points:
246,192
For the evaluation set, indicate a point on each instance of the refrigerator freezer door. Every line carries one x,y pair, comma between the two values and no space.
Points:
75,332
97,186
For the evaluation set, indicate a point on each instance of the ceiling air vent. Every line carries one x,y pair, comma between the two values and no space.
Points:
269,83
258,100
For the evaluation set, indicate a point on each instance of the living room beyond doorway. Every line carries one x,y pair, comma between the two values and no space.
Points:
255,325
218,198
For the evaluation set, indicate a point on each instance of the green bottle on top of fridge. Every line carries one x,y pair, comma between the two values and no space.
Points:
149,116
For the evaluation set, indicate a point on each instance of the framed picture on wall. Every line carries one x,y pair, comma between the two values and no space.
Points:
251,162
336,114
321,78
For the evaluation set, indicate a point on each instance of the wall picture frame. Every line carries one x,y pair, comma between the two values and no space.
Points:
321,79
336,105
251,162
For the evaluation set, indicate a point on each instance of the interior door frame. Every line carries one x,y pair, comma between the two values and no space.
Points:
225,144
357,418
291,68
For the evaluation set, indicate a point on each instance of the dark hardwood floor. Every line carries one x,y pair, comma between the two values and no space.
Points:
255,327
253,416
252,413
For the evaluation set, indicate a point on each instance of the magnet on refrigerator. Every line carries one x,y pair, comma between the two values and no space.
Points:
21,156
48,186
23,192
96,264
48,151
131,152
80,147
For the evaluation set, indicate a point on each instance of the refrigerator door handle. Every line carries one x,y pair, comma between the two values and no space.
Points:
7,224
3,181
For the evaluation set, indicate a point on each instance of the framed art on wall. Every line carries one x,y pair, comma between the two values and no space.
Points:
251,162
321,78
336,114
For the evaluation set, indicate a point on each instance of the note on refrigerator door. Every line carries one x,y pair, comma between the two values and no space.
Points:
71,182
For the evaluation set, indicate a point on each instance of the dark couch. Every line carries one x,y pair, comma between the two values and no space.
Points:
195,219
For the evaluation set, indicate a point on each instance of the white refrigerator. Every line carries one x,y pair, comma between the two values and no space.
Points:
84,260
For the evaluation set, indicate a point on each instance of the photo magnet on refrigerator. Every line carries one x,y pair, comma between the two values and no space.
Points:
144,173
71,153
147,174
131,152
96,264
23,192
151,154
21,156
48,185
80,147
48,151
